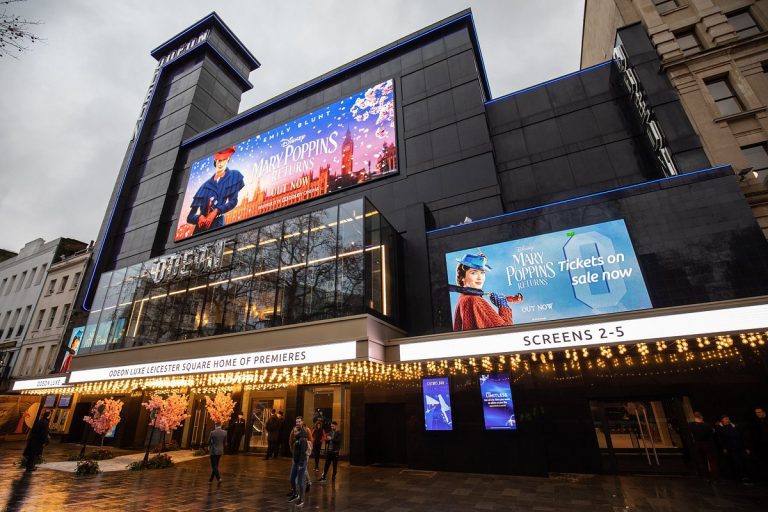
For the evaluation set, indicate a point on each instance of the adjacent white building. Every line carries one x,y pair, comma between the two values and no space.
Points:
43,338
22,282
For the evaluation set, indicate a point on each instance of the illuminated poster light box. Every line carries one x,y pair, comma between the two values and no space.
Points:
582,271
498,408
437,403
338,146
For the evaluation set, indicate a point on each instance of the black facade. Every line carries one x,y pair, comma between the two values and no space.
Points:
472,171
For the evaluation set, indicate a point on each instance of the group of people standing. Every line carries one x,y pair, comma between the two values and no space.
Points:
743,451
305,443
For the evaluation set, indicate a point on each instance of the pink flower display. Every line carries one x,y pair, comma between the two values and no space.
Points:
220,407
167,414
105,415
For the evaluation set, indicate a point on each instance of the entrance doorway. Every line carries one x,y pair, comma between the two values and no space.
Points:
328,403
641,435
385,434
261,412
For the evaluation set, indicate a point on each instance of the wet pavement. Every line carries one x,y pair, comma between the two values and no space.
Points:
251,483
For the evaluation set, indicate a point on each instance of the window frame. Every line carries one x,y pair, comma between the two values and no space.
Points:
724,79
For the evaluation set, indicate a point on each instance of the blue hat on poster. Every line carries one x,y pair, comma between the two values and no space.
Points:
476,261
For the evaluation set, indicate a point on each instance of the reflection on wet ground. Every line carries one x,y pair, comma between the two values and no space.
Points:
251,483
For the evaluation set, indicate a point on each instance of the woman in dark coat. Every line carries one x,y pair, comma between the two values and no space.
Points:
318,438
38,438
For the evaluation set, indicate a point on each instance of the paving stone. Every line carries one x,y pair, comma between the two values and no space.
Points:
251,483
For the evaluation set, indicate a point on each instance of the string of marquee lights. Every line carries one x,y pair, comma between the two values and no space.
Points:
608,361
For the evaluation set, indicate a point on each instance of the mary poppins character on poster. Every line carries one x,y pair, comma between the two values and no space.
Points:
582,271
217,195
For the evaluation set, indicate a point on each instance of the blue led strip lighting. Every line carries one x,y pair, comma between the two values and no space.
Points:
319,81
133,151
548,82
580,198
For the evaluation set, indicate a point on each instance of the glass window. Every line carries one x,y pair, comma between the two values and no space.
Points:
689,43
21,281
41,274
757,156
241,280
261,312
218,296
725,98
321,268
76,279
31,278
64,314
351,262
380,252
293,270
664,6
51,317
63,283
743,23
10,286
39,321
51,286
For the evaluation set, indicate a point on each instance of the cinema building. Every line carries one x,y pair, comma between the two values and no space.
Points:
557,274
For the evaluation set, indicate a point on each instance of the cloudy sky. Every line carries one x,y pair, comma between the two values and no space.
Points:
67,107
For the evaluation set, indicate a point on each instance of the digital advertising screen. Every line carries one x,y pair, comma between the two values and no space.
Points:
335,147
498,409
583,271
50,401
437,403
65,401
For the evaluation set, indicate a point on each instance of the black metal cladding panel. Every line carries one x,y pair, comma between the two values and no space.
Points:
217,40
696,240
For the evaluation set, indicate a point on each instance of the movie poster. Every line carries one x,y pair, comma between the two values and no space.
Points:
437,404
590,270
72,348
498,409
18,413
338,146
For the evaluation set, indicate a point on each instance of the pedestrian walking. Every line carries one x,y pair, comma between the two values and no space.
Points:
216,442
332,451
301,448
37,440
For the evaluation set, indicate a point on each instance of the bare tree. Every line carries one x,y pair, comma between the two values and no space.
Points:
15,31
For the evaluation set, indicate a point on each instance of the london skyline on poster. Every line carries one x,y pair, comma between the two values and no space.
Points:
341,145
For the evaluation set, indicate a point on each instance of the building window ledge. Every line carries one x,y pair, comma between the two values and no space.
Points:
739,115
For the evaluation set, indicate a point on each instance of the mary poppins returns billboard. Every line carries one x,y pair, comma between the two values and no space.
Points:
589,270
338,146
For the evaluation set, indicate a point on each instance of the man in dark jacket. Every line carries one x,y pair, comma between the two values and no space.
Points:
731,442
216,443
759,441
332,453
703,447
38,438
